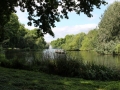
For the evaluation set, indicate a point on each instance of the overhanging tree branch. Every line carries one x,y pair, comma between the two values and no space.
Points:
44,13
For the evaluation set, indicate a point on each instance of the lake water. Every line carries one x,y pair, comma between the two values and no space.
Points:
86,56
91,56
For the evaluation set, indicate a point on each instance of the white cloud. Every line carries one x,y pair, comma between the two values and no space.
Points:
111,1
63,31
29,27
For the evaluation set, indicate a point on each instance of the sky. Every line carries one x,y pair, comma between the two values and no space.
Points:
74,25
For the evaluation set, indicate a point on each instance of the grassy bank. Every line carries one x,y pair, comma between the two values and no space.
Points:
14,79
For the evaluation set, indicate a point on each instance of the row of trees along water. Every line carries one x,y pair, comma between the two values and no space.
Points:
17,36
105,39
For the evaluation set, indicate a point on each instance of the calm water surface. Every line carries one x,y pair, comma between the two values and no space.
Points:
107,60
91,56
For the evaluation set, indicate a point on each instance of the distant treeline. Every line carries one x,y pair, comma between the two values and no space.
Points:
17,36
104,40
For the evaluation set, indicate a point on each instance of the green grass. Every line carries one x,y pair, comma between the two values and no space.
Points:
14,79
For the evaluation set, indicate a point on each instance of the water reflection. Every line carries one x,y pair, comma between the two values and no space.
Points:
91,56
50,46
107,60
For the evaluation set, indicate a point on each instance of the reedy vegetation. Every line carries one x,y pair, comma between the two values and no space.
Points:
63,66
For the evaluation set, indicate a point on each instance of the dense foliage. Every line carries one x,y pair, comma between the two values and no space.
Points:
79,41
90,40
109,30
17,36
105,40
73,43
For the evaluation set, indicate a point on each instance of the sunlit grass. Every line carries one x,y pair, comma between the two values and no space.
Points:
13,79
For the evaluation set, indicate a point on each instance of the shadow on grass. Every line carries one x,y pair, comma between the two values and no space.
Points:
12,79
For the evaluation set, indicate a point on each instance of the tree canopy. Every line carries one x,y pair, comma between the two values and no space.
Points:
70,42
109,29
17,36
90,40
44,13
80,41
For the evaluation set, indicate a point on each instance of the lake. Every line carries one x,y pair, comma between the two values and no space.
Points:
86,56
